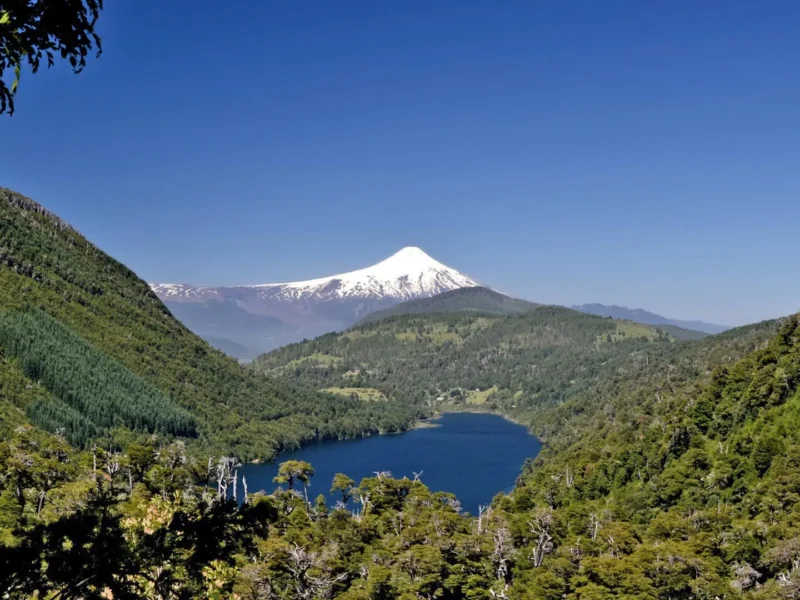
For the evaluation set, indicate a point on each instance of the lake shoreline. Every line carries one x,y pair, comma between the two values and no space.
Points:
491,447
427,423
477,410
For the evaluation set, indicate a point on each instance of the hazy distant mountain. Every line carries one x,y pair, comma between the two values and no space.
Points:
474,299
683,334
227,326
639,315
231,348
265,316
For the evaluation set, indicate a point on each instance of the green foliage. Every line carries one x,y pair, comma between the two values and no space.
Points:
31,31
294,470
524,361
645,492
47,264
95,392
57,417
679,333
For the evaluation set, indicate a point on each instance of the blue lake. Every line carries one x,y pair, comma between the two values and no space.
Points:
475,456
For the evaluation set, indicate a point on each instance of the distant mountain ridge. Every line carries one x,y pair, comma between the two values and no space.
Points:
472,299
269,315
640,315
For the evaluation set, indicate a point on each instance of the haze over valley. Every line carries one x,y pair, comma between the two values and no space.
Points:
248,320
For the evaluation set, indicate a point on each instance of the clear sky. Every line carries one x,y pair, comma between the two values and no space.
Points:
637,153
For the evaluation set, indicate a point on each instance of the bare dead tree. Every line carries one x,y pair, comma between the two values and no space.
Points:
569,477
454,503
111,468
112,464
745,577
576,551
311,577
363,500
225,474
541,528
594,526
397,523
502,552
502,594
481,510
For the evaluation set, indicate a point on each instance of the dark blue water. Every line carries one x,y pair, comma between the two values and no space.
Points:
475,456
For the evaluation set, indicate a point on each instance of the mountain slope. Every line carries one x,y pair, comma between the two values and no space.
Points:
526,360
522,365
679,333
47,264
473,299
639,315
306,309
681,478
661,480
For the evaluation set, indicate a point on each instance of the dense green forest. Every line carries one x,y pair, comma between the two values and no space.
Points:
506,363
88,385
674,486
45,263
539,367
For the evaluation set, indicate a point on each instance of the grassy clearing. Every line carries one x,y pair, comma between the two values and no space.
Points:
366,394
478,397
626,330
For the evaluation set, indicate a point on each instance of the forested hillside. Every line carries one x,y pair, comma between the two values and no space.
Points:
540,367
107,309
472,299
666,482
507,362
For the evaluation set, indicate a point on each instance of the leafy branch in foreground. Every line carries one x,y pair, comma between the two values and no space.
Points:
33,31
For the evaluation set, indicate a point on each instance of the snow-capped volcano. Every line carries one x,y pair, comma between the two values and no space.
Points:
407,274
309,308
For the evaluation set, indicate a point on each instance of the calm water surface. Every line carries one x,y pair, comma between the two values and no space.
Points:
475,456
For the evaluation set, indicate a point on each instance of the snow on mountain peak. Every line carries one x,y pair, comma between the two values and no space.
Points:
407,274
408,261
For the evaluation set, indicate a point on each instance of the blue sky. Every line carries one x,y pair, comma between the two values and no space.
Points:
638,153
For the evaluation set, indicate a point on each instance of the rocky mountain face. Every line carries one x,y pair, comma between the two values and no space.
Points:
263,317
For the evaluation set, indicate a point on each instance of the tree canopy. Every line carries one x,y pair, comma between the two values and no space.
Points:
36,32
